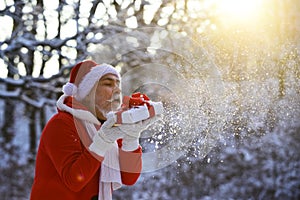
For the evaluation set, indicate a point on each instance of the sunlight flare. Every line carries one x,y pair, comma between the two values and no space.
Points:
239,10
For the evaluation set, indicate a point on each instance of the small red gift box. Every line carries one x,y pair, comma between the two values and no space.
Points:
138,107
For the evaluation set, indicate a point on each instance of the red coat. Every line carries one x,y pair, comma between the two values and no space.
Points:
65,169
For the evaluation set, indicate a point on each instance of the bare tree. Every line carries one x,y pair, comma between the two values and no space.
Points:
45,40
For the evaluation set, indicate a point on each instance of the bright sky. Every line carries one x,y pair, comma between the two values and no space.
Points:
239,11
238,8
230,11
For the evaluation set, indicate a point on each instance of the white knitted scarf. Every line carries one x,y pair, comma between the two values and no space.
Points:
110,177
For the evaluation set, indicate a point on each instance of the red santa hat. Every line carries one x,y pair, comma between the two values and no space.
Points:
84,76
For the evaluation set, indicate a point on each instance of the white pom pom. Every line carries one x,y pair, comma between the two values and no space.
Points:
69,89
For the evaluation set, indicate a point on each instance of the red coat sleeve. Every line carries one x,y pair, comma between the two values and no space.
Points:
75,165
130,164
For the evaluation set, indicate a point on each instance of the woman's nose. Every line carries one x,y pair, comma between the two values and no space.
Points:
117,89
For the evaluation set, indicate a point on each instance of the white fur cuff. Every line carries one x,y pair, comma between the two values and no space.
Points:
130,145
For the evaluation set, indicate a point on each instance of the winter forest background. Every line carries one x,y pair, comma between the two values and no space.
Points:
227,72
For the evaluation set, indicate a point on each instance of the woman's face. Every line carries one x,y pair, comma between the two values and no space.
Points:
107,96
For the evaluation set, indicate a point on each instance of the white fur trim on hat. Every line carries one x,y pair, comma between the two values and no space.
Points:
91,78
69,89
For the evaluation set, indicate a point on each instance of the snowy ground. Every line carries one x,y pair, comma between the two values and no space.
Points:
256,168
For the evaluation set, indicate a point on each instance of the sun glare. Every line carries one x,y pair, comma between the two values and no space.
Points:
238,10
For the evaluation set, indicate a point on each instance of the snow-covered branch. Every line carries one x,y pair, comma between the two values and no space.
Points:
10,94
37,103
11,81
30,91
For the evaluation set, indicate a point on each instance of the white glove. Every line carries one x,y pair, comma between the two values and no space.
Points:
133,133
108,132
106,136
